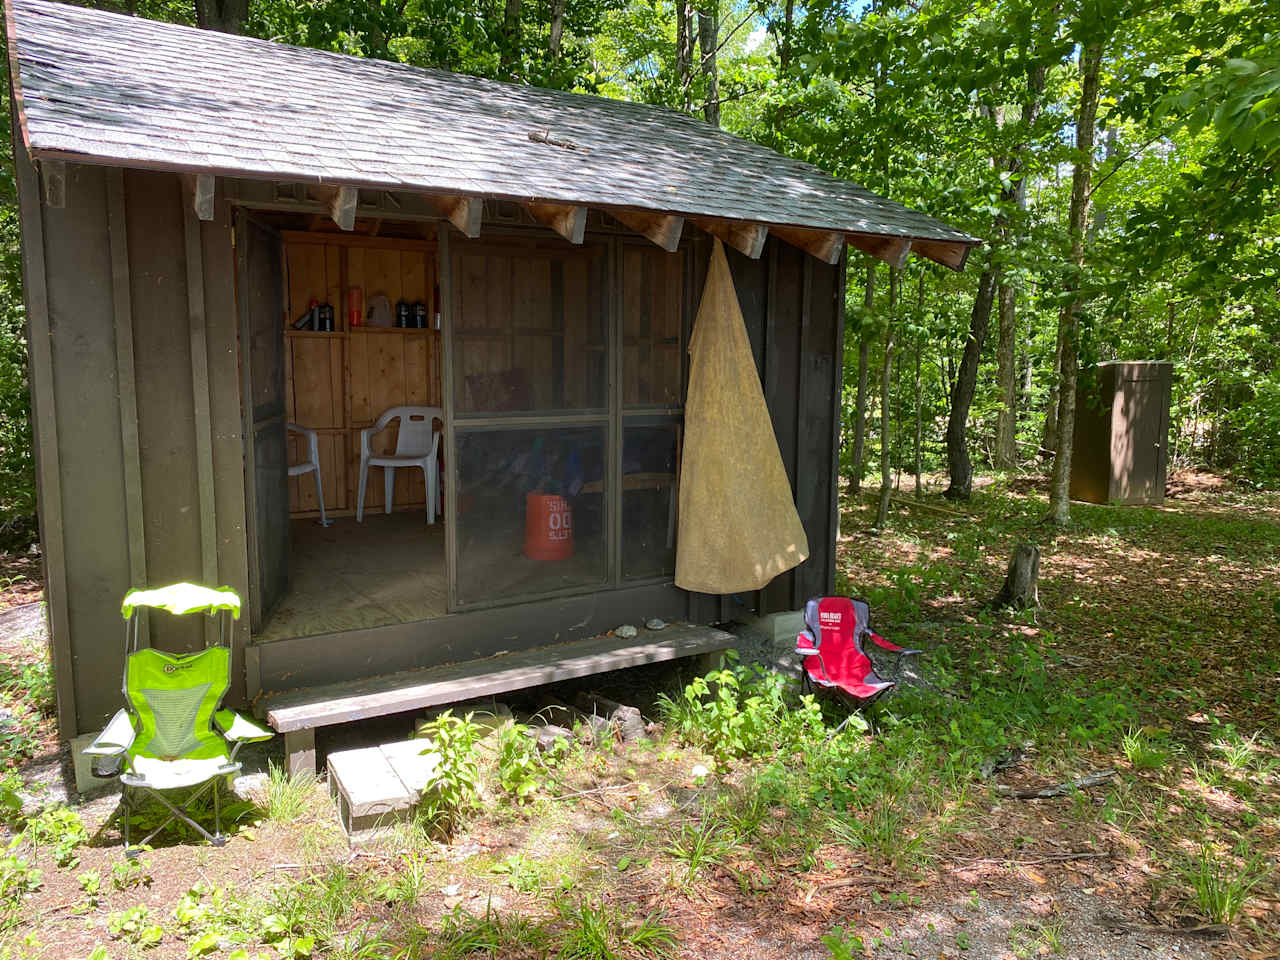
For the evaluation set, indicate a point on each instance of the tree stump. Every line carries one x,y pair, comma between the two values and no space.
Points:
1020,589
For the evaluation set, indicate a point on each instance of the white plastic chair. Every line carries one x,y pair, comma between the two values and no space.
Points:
417,445
312,464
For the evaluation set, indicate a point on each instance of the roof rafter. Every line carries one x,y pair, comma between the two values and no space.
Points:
569,222
662,228
747,238
826,245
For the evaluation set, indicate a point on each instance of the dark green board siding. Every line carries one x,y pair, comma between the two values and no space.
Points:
124,412
166,420
86,409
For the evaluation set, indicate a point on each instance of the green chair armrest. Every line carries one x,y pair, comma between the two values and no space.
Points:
238,728
115,739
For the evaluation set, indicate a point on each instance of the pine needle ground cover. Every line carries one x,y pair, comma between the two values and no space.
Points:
747,827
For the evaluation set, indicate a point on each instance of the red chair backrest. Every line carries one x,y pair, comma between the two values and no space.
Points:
838,624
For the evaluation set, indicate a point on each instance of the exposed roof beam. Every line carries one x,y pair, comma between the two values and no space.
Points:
200,190
892,250
746,238
951,255
823,244
463,212
343,207
662,228
569,222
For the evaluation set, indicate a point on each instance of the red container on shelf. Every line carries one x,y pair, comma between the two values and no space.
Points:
548,527
355,307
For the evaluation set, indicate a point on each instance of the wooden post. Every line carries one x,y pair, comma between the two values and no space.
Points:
300,752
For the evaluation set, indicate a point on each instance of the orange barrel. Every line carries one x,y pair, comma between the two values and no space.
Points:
548,527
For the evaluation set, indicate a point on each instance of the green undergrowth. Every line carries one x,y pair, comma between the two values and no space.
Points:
1148,658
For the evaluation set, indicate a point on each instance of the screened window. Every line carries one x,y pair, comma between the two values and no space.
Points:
652,310
531,511
530,330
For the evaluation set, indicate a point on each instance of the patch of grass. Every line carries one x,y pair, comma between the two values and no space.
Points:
594,930
699,846
1221,886
1142,752
492,935
1036,940
288,795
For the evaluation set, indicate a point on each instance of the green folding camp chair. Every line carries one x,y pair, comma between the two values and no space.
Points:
172,736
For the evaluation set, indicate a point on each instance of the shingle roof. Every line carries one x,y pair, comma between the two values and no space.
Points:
116,89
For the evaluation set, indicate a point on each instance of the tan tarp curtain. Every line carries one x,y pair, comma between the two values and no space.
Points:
738,523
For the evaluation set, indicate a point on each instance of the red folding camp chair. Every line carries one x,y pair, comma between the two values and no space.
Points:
834,658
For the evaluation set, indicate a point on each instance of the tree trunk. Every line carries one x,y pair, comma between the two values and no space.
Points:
958,463
708,40
684,52
886,382
225,16
919,415
860,400
1007,377
919,420
1069,319
784,43
556,33
510,37
1021,583
1049,438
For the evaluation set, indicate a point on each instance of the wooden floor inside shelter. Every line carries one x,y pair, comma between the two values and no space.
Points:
352,576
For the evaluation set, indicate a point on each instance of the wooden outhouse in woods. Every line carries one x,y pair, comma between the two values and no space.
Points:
225,238
1120,450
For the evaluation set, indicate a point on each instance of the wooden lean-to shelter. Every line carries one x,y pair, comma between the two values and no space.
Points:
193,202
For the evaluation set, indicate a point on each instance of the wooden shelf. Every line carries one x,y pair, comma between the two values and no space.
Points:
400,330
339,382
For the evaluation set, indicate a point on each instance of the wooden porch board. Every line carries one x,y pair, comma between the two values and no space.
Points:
413,690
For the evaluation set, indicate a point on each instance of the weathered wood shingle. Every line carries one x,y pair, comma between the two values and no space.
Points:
106,88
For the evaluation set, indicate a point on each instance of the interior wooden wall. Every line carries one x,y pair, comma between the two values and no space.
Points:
529,327
340,382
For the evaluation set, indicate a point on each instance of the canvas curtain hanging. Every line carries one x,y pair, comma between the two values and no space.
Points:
738,523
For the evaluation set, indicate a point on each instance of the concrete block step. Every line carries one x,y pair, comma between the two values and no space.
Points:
377,787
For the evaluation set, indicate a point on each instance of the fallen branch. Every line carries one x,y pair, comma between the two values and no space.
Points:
904,502
1116,925
1047,858
1061,789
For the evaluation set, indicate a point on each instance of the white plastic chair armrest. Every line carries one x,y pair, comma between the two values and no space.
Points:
236,727
115,739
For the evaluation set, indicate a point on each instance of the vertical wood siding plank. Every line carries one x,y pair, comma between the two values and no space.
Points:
804,492
837,390
122,305
44,418
194,248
